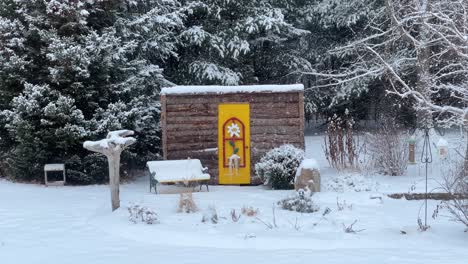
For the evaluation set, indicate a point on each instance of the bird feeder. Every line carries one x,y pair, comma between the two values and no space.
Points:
412,150
442,148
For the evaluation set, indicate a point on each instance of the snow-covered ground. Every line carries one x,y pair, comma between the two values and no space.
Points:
74,224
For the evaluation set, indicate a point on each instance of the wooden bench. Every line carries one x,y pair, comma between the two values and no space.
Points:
173,171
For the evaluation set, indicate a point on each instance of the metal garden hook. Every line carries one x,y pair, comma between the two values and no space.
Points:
426,158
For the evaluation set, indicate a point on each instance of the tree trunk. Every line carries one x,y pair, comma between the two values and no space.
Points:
114,179
465,163
423,115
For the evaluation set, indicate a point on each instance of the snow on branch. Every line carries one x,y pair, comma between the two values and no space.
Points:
420,48
115,141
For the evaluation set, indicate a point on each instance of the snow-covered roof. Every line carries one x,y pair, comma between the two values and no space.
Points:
209,89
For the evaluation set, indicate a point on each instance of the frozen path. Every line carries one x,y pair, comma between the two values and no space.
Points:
58,225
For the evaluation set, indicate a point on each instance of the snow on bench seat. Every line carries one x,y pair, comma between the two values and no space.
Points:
165,171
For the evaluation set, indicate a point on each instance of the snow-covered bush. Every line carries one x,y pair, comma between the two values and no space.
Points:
278,166
211,215
388,148
350,182
249,211
340,145
187,204
89,169
143,214
300,202
456,184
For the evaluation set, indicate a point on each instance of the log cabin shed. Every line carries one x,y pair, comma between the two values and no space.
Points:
229,128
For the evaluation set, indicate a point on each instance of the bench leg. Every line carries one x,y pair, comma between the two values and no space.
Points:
153,183
204,183
150,182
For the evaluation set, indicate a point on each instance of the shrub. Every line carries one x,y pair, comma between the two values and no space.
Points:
211,215
388,149
301,202
44,125
456,184
249,211
88,170
278,166
186,203
143,214
340,145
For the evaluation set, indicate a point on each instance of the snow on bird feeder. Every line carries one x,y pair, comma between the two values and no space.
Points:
112,146
442,148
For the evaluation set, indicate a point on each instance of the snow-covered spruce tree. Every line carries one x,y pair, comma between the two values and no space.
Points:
78,50
13,58
232,42
332,23
45,126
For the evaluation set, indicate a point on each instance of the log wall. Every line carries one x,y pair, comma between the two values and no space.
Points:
190,125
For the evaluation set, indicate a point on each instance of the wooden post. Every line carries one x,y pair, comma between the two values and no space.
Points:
114,179
301,119
164,125
112,147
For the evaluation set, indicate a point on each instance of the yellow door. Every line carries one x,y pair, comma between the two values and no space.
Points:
234,143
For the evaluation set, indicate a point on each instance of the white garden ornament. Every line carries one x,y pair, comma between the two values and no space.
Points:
112,147
234,161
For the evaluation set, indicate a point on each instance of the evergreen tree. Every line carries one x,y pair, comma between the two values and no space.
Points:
231,42
99,66
45,126
72,54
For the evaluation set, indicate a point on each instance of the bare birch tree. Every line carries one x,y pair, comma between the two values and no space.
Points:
421,48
